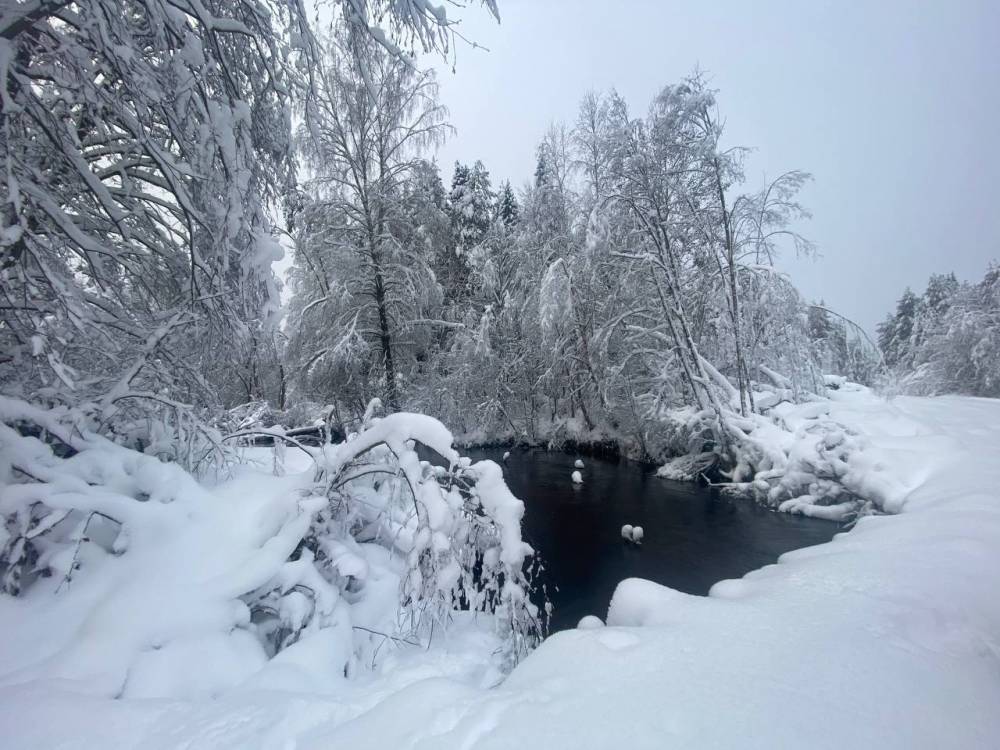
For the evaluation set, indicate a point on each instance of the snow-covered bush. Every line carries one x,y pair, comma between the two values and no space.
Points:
790,456
316,570
797,459
457,524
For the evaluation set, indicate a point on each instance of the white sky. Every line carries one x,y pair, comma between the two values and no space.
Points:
894,107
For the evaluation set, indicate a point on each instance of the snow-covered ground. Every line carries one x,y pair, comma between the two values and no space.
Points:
887,637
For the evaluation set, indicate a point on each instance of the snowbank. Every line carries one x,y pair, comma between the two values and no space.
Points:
885,637
804,457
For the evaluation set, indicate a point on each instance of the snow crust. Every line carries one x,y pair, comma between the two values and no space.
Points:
885,637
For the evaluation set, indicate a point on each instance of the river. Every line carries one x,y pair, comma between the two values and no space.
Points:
694,536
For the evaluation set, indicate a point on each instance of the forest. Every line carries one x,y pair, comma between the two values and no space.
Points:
632,277
632,281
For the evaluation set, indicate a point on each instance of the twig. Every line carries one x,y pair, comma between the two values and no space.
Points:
385,635
293,441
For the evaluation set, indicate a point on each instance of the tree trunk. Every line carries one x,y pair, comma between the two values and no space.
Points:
282,387
734,303
385,341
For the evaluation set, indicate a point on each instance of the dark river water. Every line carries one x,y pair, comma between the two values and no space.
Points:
693,536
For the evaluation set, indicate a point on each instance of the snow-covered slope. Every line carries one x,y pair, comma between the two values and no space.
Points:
887,637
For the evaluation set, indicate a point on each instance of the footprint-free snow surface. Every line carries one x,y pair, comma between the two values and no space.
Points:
886,637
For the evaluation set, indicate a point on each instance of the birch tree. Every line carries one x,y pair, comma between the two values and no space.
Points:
364,131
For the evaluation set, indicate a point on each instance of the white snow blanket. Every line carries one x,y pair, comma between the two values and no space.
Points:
886,637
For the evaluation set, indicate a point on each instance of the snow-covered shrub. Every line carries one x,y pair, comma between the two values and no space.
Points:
170,431
790,456
251,415
457,525
148,423
316,570
685,438
59,481
795,458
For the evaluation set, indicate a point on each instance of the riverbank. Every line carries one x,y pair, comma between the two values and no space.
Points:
569,437
794,456
883,638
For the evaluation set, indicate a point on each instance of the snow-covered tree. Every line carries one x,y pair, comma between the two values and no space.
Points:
507,209
948,339
374,292
895,332
146,149
143,147
636,280
470,203
592,138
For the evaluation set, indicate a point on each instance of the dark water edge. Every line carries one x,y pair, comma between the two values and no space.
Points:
694,536
608,448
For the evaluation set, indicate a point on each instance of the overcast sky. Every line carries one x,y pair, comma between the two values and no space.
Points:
894,107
